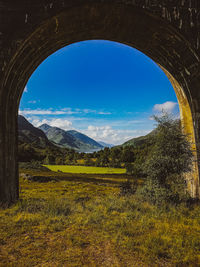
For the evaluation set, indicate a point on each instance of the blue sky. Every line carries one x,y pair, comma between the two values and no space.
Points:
104,89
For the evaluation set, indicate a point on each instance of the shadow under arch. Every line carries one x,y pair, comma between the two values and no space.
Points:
115,22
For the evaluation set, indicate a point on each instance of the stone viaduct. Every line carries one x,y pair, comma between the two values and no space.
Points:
168,31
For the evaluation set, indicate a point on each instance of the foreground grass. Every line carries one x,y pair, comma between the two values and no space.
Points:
85,169
69,223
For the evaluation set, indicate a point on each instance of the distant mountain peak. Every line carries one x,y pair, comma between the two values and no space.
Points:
70,139
44,127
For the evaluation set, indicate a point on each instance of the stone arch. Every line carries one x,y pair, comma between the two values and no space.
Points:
136,27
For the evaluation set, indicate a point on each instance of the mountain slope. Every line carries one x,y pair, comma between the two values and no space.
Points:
33,145
85,139
142,140
70,139
27,133
59,136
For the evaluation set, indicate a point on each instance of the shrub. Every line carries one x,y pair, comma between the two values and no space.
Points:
172,154
129,168
170,160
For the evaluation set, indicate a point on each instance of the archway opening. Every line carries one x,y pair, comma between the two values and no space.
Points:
99,85
105,90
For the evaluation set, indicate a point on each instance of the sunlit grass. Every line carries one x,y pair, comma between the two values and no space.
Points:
70,223
85,169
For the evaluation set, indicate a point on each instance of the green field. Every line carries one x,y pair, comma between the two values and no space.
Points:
85,169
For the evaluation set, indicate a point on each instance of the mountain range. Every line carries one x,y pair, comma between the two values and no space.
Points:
70,139
46,135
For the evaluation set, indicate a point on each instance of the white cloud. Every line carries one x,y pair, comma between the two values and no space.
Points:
104,113
41,112
66,111
114,136
69,111
60,123
87,111
167,106
32,102
49,111
26,89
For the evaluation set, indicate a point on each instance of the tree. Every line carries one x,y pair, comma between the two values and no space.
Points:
59,160
115,153
171,158
129,168
127,155
104,160
87,159
50,159
172,154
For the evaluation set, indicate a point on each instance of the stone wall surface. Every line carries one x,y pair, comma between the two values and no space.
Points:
168,31
19,18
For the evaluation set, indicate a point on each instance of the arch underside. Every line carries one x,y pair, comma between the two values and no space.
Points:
121,23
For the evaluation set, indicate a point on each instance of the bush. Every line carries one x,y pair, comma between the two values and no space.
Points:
172,154
170,160
129,168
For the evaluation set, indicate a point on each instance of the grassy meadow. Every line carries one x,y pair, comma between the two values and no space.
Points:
87,222
85,169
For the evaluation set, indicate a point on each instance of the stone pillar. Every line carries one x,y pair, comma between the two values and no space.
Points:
189,124
9,182
196,123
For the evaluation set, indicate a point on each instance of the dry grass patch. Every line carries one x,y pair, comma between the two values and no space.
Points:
70,223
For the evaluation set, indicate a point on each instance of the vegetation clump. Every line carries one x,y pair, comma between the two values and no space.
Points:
168,163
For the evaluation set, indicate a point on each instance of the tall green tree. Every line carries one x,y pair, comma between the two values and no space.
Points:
127,155
171,158
172,153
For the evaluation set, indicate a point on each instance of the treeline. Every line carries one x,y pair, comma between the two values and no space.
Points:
28,152
129,157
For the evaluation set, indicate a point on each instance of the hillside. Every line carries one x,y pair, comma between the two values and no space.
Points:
142,140
29,134
85,139
59,136
70,139
33,144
